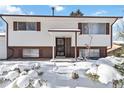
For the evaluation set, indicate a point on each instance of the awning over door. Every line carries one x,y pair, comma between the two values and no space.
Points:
64,30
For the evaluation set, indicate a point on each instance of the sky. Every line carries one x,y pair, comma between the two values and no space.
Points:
63,10
97,10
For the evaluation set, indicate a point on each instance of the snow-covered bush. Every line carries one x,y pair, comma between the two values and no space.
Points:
4,69
110,60
13,84
23,81
92,73
21,67
12,75
32,73
36,66
23,73
37,83
107,74
92,70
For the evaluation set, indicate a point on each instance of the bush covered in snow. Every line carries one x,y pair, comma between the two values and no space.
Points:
12,75
103,73
32,73
4,69
37,83
107,74
23,81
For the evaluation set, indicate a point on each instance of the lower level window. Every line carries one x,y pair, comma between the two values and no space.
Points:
89,53
30,52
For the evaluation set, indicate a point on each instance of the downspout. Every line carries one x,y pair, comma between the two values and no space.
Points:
111,32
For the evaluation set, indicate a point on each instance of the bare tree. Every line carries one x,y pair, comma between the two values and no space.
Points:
120,29
88,46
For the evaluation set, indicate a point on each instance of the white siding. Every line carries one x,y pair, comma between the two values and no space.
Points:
44,38
97,40
3,48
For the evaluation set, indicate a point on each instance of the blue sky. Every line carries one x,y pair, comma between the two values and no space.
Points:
112,10
95,10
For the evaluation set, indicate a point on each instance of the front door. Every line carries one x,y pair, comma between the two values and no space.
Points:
60,46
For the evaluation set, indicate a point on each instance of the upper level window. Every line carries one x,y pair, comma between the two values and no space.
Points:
26,26
94,28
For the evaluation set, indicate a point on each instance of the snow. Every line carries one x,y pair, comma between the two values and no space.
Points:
12,75
32,73
107,74
21,67
4,68
23,74
12,85
110,60
92,70
23,81
37,84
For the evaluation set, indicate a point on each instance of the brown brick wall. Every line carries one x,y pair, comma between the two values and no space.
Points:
46,52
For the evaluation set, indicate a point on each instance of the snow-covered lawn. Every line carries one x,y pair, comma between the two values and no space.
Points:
36,74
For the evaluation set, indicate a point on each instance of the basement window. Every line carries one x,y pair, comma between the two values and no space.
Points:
93,53
30,52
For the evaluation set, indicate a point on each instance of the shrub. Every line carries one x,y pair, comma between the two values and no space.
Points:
119,68
118,54
75,75
118,83
94,77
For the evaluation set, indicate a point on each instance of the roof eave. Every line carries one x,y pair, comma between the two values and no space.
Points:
63,16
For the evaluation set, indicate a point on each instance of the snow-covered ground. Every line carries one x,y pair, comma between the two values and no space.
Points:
36,74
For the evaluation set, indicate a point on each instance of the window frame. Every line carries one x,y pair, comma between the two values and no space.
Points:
80,26
84,52
27,24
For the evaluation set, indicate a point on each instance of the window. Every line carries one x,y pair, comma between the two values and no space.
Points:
93,52
93,28
21,26
26,26
30,52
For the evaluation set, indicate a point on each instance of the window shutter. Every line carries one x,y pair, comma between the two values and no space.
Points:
107,28
80,27
38,26
15,26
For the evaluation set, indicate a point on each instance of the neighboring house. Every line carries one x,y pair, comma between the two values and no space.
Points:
3,46
57,36
114,50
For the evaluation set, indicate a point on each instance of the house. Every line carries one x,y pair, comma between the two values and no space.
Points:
57,36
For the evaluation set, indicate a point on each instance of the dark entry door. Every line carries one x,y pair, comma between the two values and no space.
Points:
60,47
